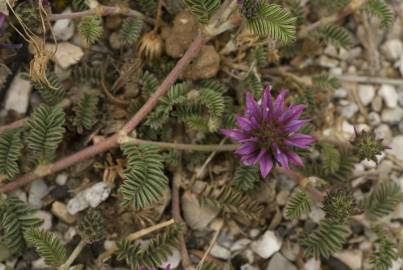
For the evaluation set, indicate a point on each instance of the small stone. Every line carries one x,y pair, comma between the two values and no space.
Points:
383,132
17,99
40,264
374,119
97,193
347,129
312,264
64,29
377,104
196,215
173,260
389,95
397,147
220,252
114,41
340,93
205,65
279,262
77,204
46,217
349,110
327,62
66,55
290,250
38,190
69,234
267,245
240,244
392,49
369,164
352,258
282,197
331,50
392,116
61,179
91,196
317,214
60,210
366,93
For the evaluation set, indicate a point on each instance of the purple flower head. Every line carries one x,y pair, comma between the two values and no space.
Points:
268,132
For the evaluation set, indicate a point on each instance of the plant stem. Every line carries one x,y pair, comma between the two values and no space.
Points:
102,11
113,140
73,255
187,147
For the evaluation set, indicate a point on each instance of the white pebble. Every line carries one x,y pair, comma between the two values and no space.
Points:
392,49
220,252
18,94
67,54
392,116
366,93
267,244
389,95
397,147
92,196
64,29
46,217
61,179
38,190
173,260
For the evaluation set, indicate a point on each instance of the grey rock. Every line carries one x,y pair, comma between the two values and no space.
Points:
91,196
377,104
349,110
312,264
317,214
389,95
352,258
384,132
64,29
366,93
290,250
392,49
397,147
173,259
37,191
374,119
220,252
46,217
279,262
18,94
196,215
61,179
240,244
340,93
268,244
325,61
392,116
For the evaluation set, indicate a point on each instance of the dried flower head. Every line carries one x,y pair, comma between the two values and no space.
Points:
150,46
268,132
367,146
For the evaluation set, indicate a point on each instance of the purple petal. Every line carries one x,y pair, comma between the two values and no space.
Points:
251,105
295,159
262,152
267,102
280,156
294,125
279,103
300,140
244,123
293,112
235,134
248,160
246,149
266,164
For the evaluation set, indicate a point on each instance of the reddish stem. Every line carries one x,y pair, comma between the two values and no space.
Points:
113,140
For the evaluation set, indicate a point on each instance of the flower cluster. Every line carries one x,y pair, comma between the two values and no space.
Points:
268,132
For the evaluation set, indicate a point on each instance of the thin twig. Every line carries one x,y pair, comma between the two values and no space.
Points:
102,11
113,140
369,79
212,242
187,147
134,236
73,255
